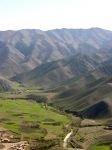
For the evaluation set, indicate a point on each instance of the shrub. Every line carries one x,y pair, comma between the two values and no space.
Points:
31,124
37,98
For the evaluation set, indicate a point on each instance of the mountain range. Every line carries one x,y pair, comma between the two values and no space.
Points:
23,50
74,63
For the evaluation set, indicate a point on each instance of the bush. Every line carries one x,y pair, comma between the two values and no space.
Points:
31,124
37,98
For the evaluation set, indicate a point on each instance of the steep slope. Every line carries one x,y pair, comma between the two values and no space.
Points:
4,85
98,110
24,50
54,72
88,95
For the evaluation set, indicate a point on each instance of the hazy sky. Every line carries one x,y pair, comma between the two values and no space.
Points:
49,14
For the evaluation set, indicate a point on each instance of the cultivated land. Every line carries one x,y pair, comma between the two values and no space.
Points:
35,122
25,118
15,114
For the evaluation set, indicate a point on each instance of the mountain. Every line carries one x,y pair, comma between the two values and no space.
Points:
4,85
87,96
23,50
86,93
75,63
54,72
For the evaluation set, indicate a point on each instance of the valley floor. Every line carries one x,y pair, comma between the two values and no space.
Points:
43,127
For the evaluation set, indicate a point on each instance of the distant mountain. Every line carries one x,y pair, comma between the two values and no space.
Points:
23,50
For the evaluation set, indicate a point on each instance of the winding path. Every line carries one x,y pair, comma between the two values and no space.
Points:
66,139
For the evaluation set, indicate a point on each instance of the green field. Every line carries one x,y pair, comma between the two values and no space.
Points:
32,120
15,113
103,147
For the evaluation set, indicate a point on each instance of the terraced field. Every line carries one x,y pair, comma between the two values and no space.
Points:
28,119
31,119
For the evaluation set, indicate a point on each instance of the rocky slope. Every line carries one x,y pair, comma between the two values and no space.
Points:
87,96
4,85
24,50
54,72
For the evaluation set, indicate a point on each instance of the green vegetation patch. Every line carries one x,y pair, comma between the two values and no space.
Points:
17,115
100,147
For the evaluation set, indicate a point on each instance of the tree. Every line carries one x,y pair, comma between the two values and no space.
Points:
38,98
